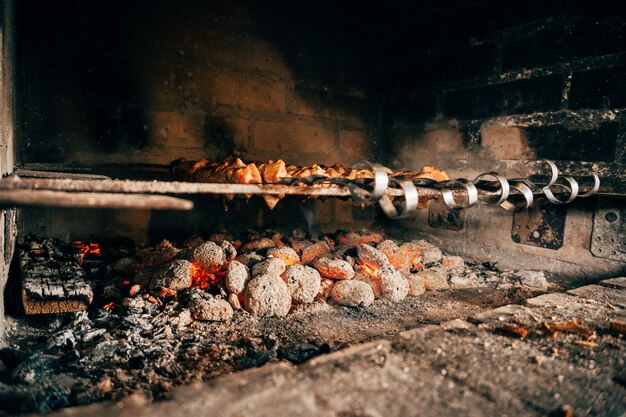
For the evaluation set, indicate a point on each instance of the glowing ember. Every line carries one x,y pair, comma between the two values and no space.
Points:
89,248
203,279
369,270
109,306
167,293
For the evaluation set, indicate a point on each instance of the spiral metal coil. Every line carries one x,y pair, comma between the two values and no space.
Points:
488,188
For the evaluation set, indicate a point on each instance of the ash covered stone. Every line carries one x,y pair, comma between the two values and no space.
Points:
393,284
176,276
205,307
352,293
287,254
233,300
396,256
237,276
453,263
334,268
230,252
430,252
160,254
314,251
326,285
435,278
304,283
249,259
374,283
209,256
271,266
262,243
416,285
267,295
370,255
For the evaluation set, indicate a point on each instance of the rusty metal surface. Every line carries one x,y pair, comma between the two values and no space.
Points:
543,225
608,238
441,217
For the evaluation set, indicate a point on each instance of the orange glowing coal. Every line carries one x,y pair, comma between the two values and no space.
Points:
109,306
89,248
369,269
203,279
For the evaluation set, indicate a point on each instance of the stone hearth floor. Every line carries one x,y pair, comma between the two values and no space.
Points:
560,354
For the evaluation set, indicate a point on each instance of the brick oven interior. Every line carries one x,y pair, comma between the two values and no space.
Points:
122,89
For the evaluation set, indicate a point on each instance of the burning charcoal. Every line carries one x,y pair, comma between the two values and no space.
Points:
414,252
371,256
532,279
300,245
249,259
205,307
303,282
262,243
177,276
236,277
434,278
287,254
193,242
354,239
334,268
157,255
134,303
453,263
267,295
393,284
352,293
371,281
272,266
127,266
397,257
229,250
416,285
314,251
430,252
208,256
326,285
233,300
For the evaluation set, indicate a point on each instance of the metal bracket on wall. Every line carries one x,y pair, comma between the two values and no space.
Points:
543,225
608,238
442,217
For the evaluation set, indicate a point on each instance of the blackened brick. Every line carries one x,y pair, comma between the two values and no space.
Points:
414,110
455,64
516,97
600,88
560,143
582,39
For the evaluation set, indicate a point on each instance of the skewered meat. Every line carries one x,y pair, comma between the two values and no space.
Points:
234,170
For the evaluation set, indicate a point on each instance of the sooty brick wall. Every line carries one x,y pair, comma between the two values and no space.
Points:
517,80
145,81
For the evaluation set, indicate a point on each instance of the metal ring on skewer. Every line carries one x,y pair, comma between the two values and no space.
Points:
524,191
380,183
596,182
505,188
554,174
448,197
573,190
411,198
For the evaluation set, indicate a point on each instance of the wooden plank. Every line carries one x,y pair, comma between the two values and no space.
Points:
51,295
31,173
47,198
